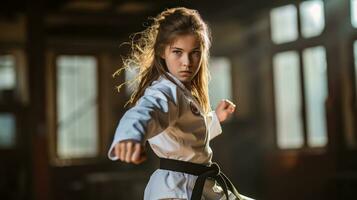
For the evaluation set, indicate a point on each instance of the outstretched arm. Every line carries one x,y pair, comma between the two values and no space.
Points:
154,112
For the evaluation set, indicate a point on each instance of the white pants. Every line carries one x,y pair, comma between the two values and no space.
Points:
166,184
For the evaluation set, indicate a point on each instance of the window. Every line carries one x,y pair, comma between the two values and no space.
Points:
300,75
7,88
7,72
288,105
354,13
284,24
286,69
7,130
312,18
315,82
220,84
77,106
284,21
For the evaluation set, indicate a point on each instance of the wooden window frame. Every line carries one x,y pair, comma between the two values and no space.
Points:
353,87
19,98
299,45
51,80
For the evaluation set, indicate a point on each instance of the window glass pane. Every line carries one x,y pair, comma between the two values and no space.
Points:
7,72
312,18
220,86
315,81
354,13
7,130
288,100
77,106
283,22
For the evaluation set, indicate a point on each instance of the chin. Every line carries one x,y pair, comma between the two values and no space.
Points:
185,80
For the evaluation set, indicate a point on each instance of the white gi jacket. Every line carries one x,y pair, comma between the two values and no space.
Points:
172,121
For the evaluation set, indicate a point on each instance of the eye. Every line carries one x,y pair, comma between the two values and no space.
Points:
196,53
177,52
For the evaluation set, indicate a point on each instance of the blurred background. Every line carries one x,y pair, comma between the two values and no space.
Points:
290,66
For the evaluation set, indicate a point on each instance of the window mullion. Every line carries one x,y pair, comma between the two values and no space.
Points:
303,99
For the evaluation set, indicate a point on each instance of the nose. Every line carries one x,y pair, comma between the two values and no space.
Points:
186,60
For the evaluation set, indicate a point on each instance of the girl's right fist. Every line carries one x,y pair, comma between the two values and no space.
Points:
130,151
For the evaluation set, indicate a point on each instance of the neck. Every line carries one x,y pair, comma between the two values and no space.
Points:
188,86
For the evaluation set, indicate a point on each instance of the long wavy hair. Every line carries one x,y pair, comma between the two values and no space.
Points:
148,46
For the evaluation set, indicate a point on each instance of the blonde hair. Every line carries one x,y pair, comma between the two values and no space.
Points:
146,51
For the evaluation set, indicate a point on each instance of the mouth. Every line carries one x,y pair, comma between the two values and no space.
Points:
185,73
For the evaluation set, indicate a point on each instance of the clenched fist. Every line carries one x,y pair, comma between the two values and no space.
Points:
224,109
130,151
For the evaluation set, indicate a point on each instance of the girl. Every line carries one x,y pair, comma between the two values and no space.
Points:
172,112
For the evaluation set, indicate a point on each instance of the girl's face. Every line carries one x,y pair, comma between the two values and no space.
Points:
182,58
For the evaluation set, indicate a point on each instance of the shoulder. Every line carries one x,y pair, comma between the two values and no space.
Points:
163,88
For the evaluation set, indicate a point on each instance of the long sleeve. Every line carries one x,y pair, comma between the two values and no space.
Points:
154,112
214,126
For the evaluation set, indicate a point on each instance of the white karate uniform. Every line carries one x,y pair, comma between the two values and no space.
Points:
172,121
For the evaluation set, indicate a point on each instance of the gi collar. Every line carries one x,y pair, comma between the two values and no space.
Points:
178,83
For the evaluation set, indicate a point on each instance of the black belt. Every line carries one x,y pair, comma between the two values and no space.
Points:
203,172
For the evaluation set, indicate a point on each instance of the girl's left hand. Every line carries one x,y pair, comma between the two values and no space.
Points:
224,109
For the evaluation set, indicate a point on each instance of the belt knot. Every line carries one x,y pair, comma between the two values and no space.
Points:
202,172
214,168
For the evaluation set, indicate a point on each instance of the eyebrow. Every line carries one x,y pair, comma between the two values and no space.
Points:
197,48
